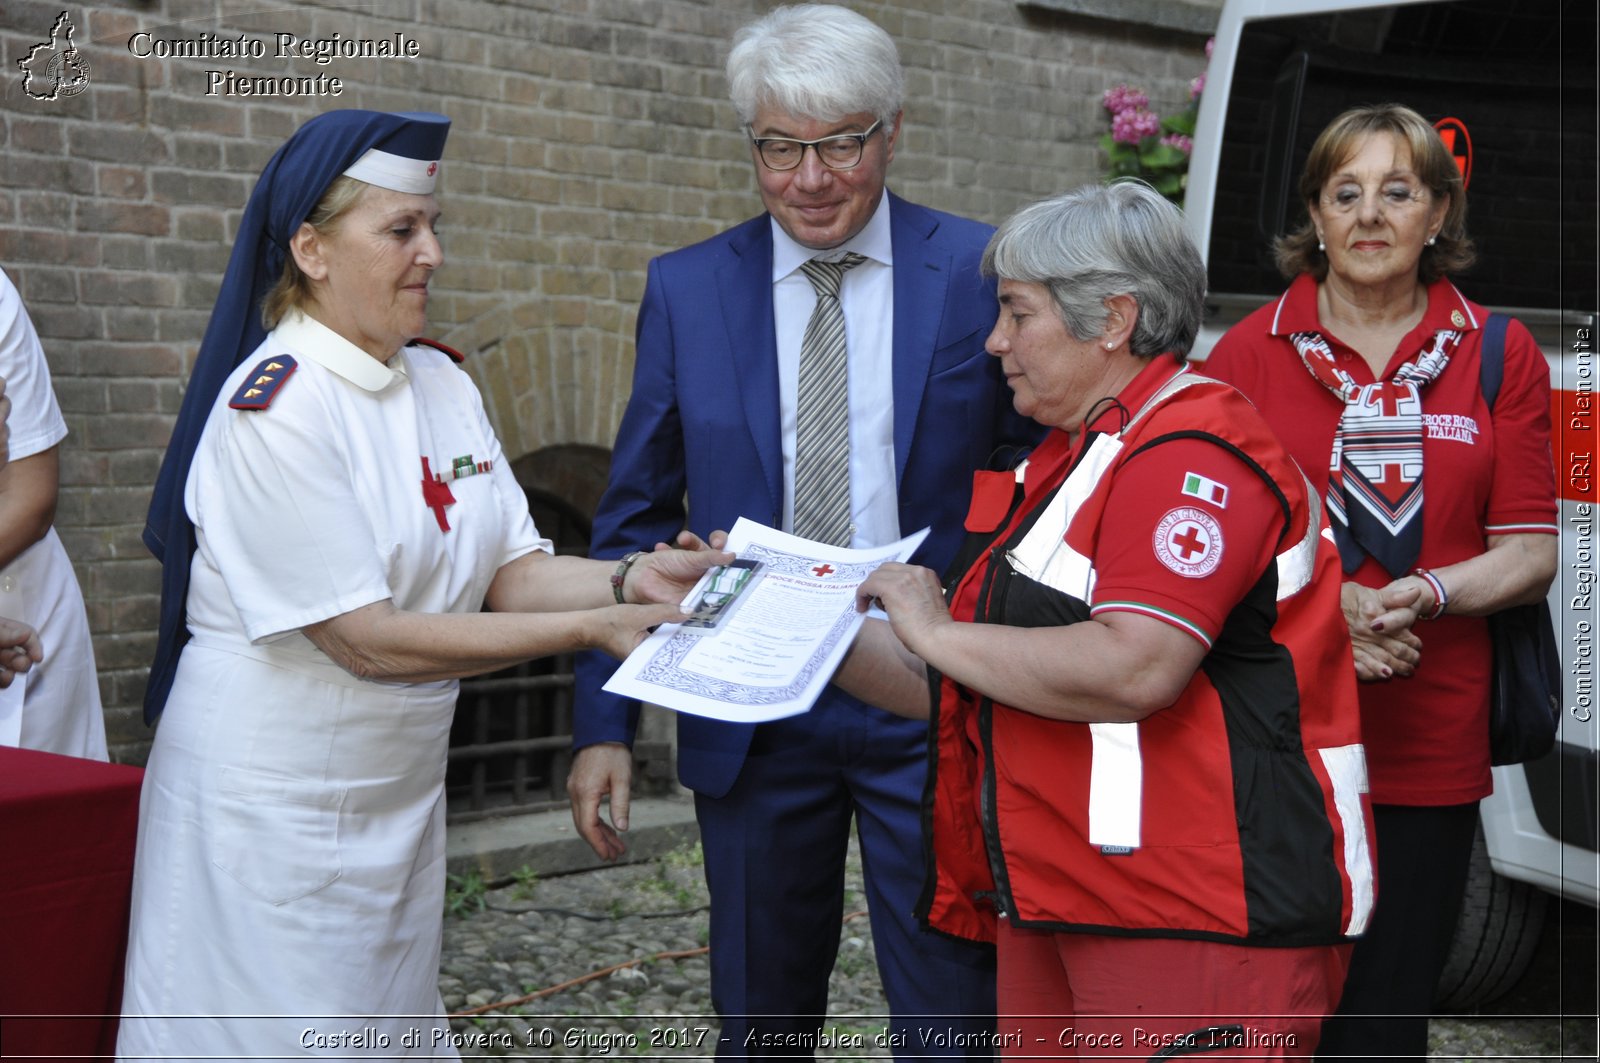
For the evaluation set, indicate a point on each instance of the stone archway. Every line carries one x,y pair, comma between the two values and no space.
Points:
552,373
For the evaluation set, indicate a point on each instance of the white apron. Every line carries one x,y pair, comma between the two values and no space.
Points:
289,877
55,705
291,852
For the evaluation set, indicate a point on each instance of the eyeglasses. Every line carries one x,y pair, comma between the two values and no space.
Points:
841,152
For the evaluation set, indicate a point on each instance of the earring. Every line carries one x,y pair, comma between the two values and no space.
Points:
1111,346
1431,240
1320,245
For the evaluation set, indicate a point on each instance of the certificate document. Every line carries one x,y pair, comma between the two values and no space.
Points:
772,657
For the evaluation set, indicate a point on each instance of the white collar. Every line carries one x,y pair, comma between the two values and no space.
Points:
874,241
311,339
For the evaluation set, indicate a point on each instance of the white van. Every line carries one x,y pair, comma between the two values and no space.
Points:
1511,84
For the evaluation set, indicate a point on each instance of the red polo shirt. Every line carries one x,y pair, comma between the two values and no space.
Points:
1483,474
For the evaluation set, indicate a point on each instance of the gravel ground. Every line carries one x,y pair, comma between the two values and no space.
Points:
612,963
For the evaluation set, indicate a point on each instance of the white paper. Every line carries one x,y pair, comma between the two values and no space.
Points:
775,654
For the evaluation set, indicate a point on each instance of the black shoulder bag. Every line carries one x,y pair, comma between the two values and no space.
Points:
1525,686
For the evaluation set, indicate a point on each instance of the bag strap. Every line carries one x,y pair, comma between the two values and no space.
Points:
1492,358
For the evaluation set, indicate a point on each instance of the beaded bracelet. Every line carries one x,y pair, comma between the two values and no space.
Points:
621,574
1440,598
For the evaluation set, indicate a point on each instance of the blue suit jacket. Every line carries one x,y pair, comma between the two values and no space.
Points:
703,421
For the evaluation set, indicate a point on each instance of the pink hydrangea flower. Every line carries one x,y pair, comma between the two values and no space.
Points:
1179,141
1130,127
1211,42
1197,86
1123,98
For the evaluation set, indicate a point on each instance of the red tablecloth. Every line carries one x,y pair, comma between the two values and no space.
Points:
66,867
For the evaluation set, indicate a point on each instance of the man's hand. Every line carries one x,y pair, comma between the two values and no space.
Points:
598,770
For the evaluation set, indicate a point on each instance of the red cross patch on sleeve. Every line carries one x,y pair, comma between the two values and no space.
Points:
1189,542
262,384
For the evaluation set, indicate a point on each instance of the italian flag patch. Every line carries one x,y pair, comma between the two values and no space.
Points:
1205,489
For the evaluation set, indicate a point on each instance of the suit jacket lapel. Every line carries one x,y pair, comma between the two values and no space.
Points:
921,277
744,286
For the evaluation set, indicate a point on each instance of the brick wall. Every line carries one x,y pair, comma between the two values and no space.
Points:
589,136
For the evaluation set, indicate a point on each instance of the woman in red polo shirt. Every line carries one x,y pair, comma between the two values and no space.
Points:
1368,369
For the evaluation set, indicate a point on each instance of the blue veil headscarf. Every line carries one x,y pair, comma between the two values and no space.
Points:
399,151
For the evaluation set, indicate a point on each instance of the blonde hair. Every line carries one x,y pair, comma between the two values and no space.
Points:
293,288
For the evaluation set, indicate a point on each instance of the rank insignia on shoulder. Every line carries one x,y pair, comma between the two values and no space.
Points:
454,355
262,384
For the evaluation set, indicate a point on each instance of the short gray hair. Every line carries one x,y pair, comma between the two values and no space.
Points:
815,61
1104,240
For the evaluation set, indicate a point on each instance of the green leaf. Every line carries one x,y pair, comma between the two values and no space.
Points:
1182,122
1163,157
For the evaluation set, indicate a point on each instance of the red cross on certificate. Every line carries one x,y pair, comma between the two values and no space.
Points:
823,569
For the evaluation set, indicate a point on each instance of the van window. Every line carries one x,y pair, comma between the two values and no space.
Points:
1515,73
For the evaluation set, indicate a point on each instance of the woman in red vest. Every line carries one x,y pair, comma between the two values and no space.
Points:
1148,785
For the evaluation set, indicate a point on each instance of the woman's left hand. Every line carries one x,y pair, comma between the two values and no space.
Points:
1380,622
912,597
667,573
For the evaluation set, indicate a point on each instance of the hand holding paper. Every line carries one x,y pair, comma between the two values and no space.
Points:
775,652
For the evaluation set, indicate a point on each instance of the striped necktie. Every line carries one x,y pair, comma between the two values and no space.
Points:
822,414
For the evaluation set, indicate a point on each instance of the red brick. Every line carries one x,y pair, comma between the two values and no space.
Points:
146,219
122,182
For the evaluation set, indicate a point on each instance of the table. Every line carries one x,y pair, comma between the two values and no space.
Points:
67,828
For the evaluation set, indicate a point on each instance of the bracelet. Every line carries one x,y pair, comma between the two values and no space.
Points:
1440,598
621,574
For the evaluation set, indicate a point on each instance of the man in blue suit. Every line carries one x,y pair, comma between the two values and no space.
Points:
714,418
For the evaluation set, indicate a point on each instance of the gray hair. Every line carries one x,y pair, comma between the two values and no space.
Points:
1104,240
815,61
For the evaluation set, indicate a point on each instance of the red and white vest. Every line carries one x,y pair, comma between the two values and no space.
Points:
1237,814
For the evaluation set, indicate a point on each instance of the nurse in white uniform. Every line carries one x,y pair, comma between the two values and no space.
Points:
56,706
351,513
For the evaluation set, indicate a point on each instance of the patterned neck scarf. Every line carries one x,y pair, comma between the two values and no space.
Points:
1375,471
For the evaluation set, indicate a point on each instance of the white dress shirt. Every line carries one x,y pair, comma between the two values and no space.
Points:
866,295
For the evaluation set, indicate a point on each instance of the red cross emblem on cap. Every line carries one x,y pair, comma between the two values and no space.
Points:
433,168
